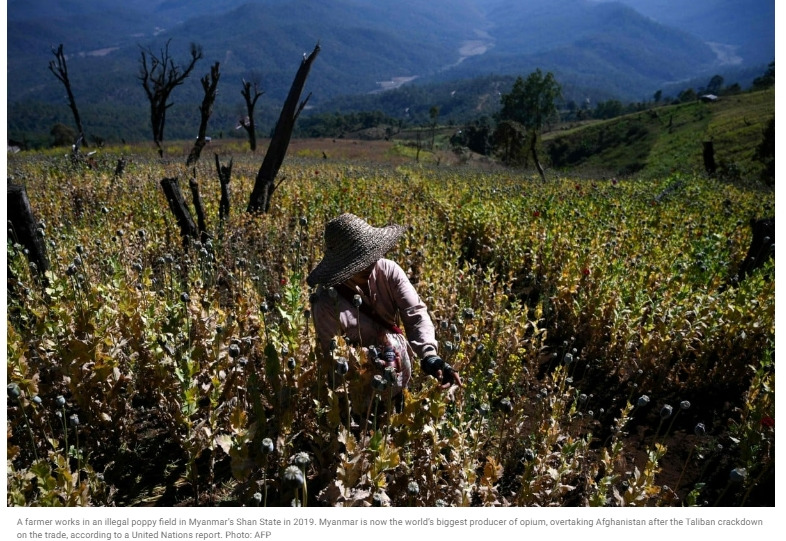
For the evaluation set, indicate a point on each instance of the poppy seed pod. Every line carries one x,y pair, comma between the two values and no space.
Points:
302,459
293,477
700,429
505,405
267,446
738,475
390,374
378,383
184,297
342,366
643,400
60,400
357,300
234,350
665,412
13,390
684,405
413,489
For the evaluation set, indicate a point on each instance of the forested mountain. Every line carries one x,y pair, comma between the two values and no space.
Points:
745,31
597,50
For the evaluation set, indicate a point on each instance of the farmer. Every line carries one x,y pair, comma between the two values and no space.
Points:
362,296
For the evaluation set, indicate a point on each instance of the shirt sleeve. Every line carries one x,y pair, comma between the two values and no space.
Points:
397,294
326,321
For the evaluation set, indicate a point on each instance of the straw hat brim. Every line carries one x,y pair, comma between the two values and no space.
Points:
351,245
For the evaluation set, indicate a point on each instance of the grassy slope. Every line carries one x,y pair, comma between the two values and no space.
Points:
668,138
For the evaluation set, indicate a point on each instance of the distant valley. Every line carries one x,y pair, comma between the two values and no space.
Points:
597,50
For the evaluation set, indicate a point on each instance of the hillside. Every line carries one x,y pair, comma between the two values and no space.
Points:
665,139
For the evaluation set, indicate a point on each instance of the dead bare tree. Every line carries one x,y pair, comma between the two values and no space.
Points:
264,185
160,76
251,102
60,69
210,86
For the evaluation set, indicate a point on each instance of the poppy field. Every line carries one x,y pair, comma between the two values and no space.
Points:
608,359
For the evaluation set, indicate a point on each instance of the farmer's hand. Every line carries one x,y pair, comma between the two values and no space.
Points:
442,371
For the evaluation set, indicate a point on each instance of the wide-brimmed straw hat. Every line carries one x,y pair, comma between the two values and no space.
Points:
351,245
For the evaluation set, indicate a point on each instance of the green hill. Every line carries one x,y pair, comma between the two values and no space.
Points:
668,138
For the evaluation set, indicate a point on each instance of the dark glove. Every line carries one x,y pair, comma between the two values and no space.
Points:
432,366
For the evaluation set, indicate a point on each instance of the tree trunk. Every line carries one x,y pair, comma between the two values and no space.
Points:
120,167
761,249
210,86
534,150
177,205
224,175
709,158
60,70
248,123
264,186
199,209
25,226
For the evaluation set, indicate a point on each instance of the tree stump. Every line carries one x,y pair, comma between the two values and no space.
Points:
224,176
761,249
25,227
709,158
177,205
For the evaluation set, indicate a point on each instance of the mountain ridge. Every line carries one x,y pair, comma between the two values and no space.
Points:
598,48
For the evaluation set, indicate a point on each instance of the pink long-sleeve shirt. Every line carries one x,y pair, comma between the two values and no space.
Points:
393,297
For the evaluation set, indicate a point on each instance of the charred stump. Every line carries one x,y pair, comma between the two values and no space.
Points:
199,209
761,249
224,175
709,158
25,228
177,204
264,185
120,168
